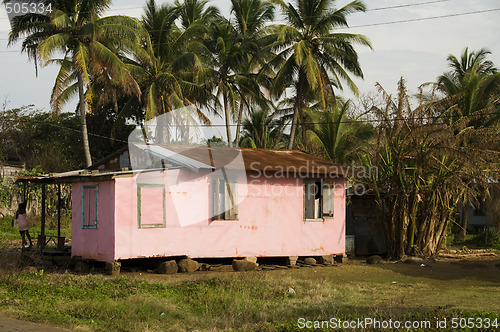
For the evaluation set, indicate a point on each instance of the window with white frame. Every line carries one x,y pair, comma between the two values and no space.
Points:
89,206
225,199
318,199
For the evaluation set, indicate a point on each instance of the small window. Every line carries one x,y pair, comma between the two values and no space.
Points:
225,199
89,206
318,199
151,205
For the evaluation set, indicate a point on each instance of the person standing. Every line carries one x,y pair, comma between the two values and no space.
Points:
22,222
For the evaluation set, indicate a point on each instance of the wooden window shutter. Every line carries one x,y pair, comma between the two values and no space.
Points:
231,200
89,206
217,199
328,199
309,199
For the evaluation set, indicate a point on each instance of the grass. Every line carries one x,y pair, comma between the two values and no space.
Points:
485,239
252,301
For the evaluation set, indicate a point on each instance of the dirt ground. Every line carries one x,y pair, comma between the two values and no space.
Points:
480,264
13,325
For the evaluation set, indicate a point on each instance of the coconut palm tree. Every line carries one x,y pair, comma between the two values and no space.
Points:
197,12
227,75
161,87
472,91
168,65
90,45
236,51
251,17
472,86
341,139
311,57
262,130
473,62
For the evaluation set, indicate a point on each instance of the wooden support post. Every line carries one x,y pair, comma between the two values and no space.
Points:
292,260
42,230
23,196
341,258
59,210
113,268
60,239
41,237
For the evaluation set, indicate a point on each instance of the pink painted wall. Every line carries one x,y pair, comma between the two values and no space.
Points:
99,243
270,221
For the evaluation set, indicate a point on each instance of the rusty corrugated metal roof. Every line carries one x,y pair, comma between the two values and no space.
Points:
264,161
258,160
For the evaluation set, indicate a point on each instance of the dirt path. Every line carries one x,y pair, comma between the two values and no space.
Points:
13,325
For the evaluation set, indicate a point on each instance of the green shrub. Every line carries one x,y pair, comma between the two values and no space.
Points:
488,237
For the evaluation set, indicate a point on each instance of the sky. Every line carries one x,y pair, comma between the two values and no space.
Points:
416,49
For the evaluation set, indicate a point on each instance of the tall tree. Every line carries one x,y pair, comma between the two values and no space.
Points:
227,58
471,87
424,171
41,139
169,67
342,140
251,18
153,69
262,130
311,57
89,44
197,12
472,90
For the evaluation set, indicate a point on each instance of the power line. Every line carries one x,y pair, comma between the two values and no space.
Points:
89,133
368,10
356,121
374,24
407,5
282,125
407,20
69,128
425,18
401,21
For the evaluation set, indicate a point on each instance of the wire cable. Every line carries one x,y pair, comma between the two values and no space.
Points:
422,18
390,120
407,5
368,10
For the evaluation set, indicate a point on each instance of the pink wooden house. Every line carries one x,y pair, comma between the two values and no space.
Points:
197,204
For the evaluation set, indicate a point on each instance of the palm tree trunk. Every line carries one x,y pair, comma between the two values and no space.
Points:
298,105
460,237
401,97
238,126
228,124
294,127
83,122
